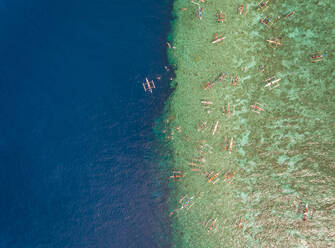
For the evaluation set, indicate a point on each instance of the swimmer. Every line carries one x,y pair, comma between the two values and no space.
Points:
241,9
265,21
219,17
200,13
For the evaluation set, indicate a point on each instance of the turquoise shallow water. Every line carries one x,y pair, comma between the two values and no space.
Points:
273,168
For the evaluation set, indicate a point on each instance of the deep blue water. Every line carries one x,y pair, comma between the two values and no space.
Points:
77,153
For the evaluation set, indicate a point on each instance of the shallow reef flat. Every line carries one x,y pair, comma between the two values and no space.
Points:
251,124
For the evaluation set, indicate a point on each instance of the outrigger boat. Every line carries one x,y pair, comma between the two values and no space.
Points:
290,14
242,8
228,110
206,102
212,225
256,108
235,80
203,124
192,164
263,5
228,175
176,176
207,86
218,40
272,84
148,85
275,42
186,203
305,212
317,56
213,177
231,145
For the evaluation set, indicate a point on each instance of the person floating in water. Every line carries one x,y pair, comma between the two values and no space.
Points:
200,13
265,21
219,17
261,68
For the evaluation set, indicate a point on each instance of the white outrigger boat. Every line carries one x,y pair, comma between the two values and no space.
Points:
272,83
148,85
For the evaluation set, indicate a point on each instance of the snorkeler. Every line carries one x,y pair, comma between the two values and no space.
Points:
261,68
200,13
241,9
219,17
265,21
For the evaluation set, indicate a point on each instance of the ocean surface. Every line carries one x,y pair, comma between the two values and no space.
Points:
78,157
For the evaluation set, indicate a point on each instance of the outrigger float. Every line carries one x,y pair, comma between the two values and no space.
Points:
148,85
215,128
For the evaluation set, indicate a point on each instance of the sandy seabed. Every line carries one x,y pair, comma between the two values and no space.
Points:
251,124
